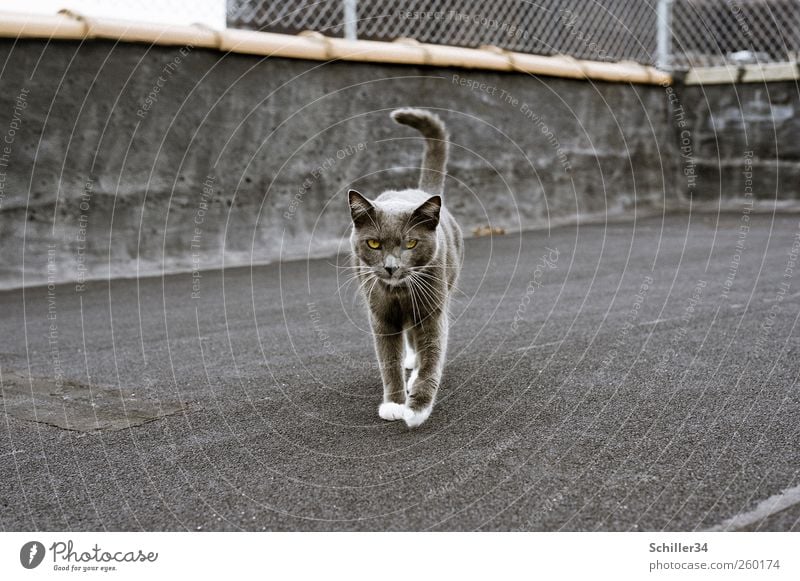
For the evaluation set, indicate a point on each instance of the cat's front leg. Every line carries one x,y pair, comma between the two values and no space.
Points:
389,349
431,341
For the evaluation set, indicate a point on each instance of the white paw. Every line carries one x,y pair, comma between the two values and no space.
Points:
414,419
391,411
410,360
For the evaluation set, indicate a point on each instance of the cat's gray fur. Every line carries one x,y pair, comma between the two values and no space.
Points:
408,291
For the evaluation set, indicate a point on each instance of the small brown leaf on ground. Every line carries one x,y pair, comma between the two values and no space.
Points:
488,231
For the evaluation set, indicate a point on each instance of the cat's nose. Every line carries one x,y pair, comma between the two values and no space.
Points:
390,269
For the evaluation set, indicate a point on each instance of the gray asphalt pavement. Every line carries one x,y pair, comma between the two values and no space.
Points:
621,376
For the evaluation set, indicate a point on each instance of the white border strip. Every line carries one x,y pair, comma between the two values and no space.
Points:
753,73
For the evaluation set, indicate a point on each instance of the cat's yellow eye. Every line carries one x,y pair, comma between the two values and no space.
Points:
411,244
374,244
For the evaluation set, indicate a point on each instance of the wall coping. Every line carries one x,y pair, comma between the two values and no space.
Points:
70,25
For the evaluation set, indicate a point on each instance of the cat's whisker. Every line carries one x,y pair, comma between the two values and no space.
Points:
427,292
440,280
367,277
348,281
436,299
452,286
430,300
433,294
375,282
415,304
350,275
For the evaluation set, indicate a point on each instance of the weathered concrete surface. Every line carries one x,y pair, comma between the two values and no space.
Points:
123,159
211,168
739,137
83,407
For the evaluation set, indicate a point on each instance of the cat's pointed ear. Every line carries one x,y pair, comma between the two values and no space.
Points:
427,214
360,207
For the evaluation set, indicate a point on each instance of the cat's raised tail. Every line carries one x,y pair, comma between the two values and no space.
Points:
434,163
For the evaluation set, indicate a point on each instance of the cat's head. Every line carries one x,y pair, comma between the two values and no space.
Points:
394,239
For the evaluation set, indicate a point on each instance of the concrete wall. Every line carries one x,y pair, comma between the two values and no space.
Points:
740,134
130,159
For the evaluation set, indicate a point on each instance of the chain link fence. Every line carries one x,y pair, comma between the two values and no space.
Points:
716,32
671,34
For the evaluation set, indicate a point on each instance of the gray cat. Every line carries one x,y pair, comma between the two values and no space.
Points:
408,251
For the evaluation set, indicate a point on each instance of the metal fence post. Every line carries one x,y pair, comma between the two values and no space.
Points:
664,35
350,19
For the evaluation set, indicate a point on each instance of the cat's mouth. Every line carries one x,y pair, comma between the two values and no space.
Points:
393,281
